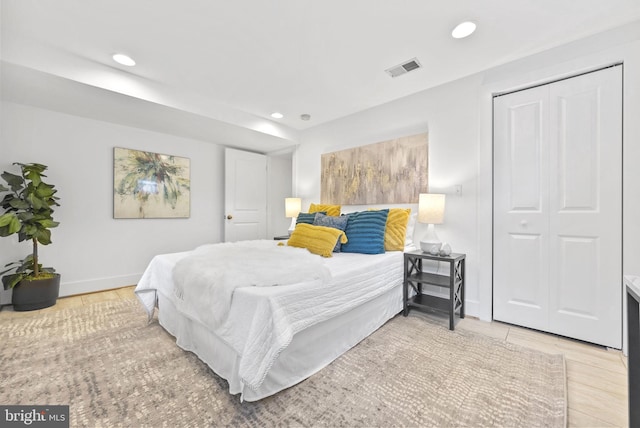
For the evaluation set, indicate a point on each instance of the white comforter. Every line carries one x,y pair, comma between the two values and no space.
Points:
262,321
206,279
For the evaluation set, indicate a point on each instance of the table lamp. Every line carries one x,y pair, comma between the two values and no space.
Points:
292,207
431,211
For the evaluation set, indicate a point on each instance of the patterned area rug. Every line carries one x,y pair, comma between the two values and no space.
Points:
113,369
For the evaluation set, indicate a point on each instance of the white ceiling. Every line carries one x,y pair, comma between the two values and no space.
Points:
237,61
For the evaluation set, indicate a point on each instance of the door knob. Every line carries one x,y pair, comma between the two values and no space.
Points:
229,217
524,223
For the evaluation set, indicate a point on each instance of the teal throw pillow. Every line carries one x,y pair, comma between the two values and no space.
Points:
365,232
307,218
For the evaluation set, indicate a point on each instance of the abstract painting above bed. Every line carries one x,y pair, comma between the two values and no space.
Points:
390,172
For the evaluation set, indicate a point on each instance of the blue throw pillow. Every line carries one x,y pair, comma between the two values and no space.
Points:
307,218
339,223
365,232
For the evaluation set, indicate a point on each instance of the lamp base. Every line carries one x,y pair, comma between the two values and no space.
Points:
292,226
430,247
431,243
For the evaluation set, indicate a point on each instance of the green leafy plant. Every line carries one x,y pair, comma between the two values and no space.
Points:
28,211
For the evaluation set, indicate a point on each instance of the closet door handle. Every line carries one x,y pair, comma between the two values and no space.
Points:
229,216
524,223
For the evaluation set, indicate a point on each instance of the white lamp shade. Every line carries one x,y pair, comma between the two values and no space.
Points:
292,207
431,208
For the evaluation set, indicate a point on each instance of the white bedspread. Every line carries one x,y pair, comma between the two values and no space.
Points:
206,279
263,320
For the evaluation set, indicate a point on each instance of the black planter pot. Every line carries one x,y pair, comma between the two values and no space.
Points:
30,295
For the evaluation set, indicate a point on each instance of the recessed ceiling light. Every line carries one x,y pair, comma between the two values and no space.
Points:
463,30
124,60
277,115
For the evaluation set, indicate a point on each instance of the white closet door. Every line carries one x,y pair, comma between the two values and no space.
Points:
558,221
521,212
585,198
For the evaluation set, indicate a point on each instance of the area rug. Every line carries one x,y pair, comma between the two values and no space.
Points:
114,369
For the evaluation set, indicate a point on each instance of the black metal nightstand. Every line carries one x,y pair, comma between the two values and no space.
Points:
415,277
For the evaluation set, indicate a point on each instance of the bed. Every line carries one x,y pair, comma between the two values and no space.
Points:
273,337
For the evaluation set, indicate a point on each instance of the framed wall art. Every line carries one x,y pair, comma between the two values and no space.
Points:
389,172
150,185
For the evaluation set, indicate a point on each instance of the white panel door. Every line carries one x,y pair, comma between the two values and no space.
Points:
245,196
558,214
585,299
521,214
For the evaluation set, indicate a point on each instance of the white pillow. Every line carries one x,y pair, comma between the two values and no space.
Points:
411,225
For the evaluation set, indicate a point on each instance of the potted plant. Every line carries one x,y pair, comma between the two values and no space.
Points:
27,209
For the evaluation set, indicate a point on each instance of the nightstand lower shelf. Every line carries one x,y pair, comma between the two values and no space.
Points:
426,301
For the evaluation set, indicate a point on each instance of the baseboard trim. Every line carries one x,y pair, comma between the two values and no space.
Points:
83,287
99,284
472,308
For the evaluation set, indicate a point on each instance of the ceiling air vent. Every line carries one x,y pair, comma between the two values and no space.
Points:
404,68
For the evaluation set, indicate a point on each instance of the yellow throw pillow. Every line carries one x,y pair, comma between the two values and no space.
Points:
317,239
395,233
331,210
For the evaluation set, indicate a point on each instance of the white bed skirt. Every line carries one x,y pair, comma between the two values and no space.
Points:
310,350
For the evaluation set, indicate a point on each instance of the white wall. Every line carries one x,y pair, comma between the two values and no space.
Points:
458,117
90,249
279,176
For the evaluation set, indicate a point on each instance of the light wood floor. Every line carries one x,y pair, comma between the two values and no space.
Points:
596,376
